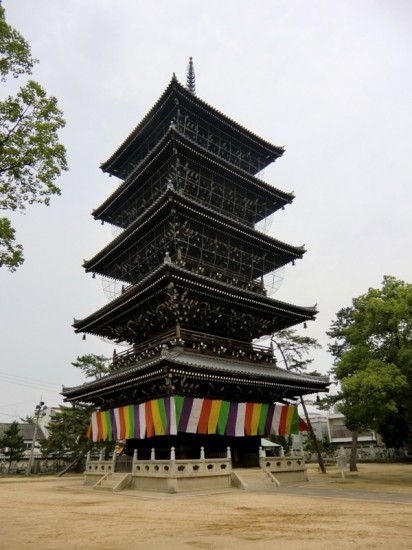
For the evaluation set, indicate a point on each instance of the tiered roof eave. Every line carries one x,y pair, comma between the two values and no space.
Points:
171,139
171,196
175,89
166,273
211,365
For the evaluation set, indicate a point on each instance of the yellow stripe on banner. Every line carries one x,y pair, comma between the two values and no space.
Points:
214,416
104,426
255,418
157,419
289,418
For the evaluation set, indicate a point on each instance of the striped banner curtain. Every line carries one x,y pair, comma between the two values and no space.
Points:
174,414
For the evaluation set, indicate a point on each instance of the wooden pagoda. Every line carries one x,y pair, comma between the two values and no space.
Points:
194,272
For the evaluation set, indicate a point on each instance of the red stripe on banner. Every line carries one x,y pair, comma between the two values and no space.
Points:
303,427
204,416
248,418
99,426
122,423
283,419
149,419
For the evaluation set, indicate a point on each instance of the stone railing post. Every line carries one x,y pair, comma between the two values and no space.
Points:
228,453
262,452
114,456
134,457
101,455
88,456
172,460
202,453
282,452
152,455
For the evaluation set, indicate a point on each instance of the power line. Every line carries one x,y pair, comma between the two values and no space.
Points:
11,415
30,382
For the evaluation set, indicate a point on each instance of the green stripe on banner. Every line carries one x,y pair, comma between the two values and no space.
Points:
163,416
294,428
223,416
109,425
262,419
179,400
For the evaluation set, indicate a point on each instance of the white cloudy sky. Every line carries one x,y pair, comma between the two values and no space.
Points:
329,80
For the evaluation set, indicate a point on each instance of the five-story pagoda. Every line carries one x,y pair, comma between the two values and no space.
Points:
195,274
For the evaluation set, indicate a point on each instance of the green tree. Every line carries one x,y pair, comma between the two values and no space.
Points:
68,427
68,434
284,441
28,419
313,443
293,349
12,443
31,156
372,349
93,366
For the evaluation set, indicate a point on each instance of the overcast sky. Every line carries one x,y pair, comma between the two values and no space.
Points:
331,81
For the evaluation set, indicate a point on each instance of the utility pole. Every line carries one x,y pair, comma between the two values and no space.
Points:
302,402
39,411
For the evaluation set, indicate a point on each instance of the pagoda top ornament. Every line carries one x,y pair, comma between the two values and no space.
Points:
190,77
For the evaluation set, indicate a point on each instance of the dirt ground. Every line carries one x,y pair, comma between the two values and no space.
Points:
59,513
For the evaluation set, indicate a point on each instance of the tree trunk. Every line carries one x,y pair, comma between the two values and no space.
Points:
73,463
315,441
353,452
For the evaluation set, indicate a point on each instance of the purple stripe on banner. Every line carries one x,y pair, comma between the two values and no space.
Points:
167,409
113,423
136,422
269,418
184,417
231,421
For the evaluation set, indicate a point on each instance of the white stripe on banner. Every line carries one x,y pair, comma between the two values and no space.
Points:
173,426
240,419
142,420
194,416
274,429
117,420
94,426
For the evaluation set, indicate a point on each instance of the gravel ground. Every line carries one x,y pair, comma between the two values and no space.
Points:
360,511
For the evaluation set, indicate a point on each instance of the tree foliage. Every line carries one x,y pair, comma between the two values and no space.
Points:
93,366
68,427
31,156
28,419
372,348
12,443
67,433
11,253
294,350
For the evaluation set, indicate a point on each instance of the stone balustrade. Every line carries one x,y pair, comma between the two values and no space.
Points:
99,465
173,475
182,468
284,468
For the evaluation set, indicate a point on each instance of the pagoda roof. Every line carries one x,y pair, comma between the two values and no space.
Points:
176,91
172,199
213,367
161,278
164,149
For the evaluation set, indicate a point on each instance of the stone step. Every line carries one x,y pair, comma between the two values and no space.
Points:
256,479
109,482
